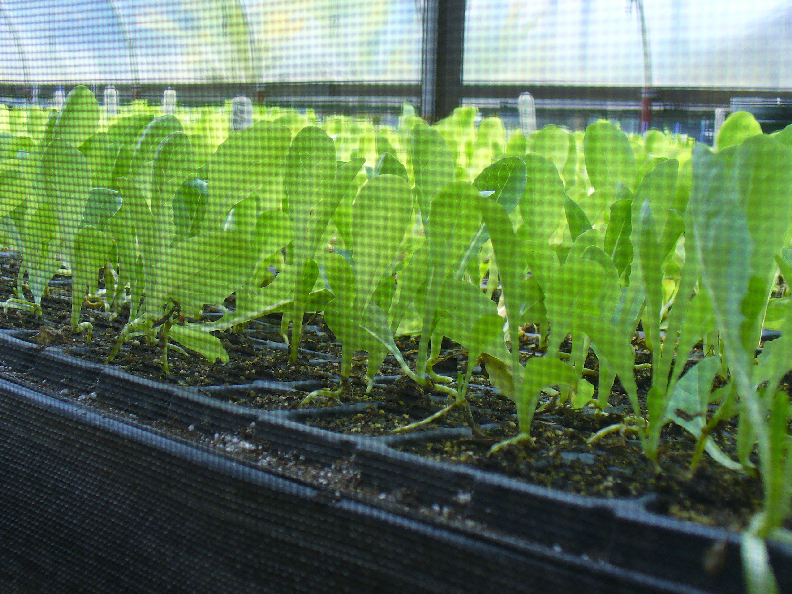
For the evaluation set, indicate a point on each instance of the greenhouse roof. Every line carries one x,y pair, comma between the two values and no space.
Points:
703,44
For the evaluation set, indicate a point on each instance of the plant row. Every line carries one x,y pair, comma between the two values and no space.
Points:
455,230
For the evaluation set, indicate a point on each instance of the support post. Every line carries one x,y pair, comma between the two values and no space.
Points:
443,44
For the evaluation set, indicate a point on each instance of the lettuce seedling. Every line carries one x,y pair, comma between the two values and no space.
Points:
380,216
180,276
314,183
737,243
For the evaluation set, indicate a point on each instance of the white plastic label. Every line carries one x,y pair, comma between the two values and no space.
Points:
169,101
59,98
111,102
527,109
241,113
720,117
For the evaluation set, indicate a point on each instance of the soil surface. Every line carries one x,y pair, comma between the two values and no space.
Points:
559,456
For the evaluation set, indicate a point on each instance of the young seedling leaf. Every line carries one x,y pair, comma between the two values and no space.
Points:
242,164
739,126
576,219
505,179
658,186
387,164
381,214
202,343
552,142
617,242
189,207
204,269
64,181
101,206
688,405
432,164
153,134
174,163
542,205
609,156
79,118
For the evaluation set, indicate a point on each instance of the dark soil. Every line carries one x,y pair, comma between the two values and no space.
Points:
559,457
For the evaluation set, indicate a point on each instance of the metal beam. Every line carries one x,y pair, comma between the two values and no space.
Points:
443,48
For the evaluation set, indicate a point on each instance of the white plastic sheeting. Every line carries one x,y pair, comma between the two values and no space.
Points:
200,41
693,43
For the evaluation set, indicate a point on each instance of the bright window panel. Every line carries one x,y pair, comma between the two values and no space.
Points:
65,42
702,44
337,40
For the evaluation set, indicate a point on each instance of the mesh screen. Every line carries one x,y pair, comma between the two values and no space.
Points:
409,295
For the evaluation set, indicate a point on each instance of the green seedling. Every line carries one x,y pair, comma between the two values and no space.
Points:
736,246
380,216
179,276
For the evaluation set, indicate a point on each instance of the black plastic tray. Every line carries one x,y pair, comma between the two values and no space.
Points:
92,503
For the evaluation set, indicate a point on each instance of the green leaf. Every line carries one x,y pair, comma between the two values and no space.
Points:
576,219
380,217
738,127
79,118
64,181
552,142
174,163
40,241
204,269
594,205
776,356
784,136
383,146
617,242
656,144
584,393
505,179
127,130
463,305
500,375
189,207
310,171
101,156
244,162
123,136
432,165
341,278
410,279
153,134
658,186
375,323
14,190
688,404
543,201
517,145
610,341
199,341
777,491
272,232
101,206
314,187
762,176
453,222
387,164
609,157
651,262
541,373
